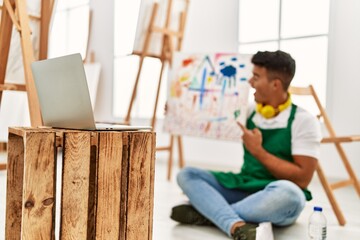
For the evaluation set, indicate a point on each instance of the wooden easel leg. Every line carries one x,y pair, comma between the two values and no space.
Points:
180,149
6,25
153,121
348,167
46,11
330,195
170,161
142,57
28,58
133,95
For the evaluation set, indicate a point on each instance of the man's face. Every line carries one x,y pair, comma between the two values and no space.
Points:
261,84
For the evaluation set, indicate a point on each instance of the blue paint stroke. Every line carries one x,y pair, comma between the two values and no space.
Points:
241,65
202,89
218,119
228,71
223,88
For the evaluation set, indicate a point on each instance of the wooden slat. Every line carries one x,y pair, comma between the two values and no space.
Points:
124,185
3,146
342,184
109,177
300,90
152,178
75,186
14,187
38,217
32,17
163,148
92,192
3,166
12,87
139,186
340,139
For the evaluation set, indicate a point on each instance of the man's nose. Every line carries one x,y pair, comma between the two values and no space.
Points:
251,82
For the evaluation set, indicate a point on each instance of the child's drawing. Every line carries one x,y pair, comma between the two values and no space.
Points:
208,93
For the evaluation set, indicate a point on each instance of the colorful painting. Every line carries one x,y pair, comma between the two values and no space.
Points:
208,94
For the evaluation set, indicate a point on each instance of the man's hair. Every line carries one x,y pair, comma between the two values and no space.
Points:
279,65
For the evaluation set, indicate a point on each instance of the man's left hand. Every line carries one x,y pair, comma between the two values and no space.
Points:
252,139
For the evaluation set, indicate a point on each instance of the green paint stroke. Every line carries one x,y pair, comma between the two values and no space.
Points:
237,113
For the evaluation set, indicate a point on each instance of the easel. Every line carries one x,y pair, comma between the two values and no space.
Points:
165,57
14,14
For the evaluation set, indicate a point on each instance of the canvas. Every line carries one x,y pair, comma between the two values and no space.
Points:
208,94
145,11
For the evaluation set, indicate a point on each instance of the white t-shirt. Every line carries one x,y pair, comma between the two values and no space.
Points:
305,129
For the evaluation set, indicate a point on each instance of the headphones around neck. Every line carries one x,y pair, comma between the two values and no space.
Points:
268,111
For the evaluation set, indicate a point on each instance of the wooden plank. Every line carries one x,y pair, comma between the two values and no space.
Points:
140,186
124,185
152,178
75,186
14,187
109,185
94,158
38,210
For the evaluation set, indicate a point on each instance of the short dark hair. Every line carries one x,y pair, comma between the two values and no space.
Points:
279,65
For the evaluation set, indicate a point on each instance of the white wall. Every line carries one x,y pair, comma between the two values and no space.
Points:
343,98
102,44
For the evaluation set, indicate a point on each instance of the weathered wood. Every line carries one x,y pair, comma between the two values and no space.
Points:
75,186
38,208
124,186
109,183
139,186
14,187
152,179
93,190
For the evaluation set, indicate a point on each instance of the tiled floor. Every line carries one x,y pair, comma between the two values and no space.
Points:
167,194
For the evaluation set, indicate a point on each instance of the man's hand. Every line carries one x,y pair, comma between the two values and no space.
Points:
252,139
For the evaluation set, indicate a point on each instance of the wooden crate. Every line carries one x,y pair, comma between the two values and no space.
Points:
107,184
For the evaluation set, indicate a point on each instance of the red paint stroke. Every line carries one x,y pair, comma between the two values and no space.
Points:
187,62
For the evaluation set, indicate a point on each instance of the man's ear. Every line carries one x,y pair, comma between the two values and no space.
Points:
277,84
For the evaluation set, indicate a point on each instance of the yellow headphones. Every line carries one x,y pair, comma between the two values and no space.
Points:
268,111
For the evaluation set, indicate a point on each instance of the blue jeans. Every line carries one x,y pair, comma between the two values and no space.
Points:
280,202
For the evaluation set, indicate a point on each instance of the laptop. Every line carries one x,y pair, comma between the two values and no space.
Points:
64,95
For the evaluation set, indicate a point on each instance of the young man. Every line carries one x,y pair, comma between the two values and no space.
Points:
281,145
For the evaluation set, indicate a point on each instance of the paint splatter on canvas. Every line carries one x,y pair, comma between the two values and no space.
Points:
207,94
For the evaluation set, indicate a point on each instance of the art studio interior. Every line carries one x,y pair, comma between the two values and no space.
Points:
174,83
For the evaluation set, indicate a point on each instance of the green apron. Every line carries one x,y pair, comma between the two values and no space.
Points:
254,176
